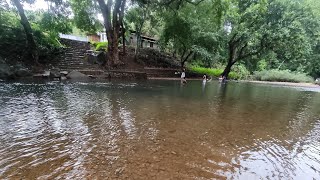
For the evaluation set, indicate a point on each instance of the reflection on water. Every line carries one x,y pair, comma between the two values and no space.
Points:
158,130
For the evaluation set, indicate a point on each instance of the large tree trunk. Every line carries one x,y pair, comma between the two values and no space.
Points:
183,59
32,46
123,39
182,64
227,70
232,59
113,18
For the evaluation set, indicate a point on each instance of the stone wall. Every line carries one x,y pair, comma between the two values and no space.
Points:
126,75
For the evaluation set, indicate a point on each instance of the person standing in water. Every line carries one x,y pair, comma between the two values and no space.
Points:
183,76
204,78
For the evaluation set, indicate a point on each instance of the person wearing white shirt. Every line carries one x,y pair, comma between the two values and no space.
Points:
183,76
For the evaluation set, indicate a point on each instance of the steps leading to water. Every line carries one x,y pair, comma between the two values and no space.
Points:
73,59
74,56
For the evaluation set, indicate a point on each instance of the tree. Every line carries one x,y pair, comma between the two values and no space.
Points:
113,18
191,31
259,27
85,15
138,16
112,12
32,46
178,33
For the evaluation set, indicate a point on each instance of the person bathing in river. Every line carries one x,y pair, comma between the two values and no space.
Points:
183,76
222,79
204,78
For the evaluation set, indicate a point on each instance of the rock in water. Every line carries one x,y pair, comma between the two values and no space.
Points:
55,73
77,75
318,81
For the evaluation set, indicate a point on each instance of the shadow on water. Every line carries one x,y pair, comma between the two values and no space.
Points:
158,129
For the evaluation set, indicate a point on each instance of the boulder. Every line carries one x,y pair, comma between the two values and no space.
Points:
318,81
55,73
91,59
101,58
77,75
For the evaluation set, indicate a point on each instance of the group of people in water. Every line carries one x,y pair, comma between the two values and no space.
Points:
205,78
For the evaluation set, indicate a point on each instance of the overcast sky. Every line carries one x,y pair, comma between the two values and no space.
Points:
39,4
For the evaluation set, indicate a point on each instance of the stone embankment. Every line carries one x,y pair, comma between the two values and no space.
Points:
13,71
76,58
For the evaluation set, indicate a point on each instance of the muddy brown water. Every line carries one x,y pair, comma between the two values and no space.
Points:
158,130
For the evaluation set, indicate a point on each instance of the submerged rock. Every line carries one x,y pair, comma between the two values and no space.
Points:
77,75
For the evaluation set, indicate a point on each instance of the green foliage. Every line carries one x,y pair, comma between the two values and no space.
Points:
100,46
209,71
262,65
239,73
264,34
85,15
45,27
282,76
193,30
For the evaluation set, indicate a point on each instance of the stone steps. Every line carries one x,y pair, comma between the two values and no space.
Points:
73,58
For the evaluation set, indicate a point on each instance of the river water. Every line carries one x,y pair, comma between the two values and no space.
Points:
158,130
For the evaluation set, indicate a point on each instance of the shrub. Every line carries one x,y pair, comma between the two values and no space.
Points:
100,46
281,76
238,72
208,71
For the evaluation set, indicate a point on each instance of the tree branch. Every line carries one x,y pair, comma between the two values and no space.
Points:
186,59
105,10
259,50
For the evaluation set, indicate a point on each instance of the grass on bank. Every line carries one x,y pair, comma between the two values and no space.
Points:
282,76
238,73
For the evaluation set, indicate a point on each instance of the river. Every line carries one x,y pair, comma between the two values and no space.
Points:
158,130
